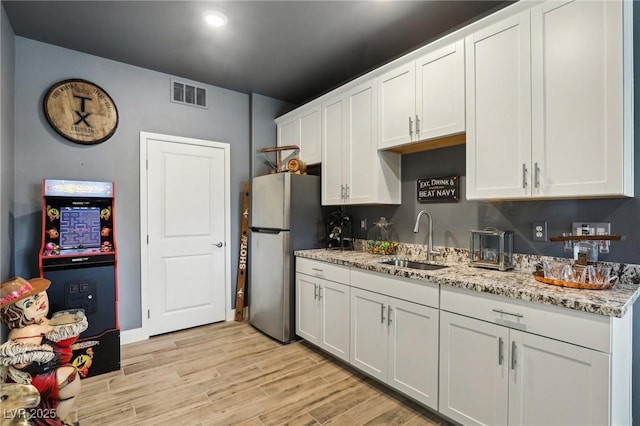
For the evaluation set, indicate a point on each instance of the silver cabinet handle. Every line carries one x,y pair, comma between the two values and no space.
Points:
346,192
524,175
342,197
537,175
315,291
500,350
417,125
218,244
410,127
319,292
513,355
317,270
382,313
500,311
389,310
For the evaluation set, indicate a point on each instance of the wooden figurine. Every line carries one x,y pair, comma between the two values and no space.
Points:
38,349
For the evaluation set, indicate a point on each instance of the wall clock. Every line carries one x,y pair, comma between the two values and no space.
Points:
81,111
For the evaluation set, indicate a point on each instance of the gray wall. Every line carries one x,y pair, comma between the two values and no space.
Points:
142,98
263,129
7,60
453,220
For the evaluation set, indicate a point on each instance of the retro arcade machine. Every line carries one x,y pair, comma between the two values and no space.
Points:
78,254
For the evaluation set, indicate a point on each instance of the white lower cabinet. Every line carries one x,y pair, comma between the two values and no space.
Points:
493,374
369,332
396,342
478,359
556,383
473,379
322,314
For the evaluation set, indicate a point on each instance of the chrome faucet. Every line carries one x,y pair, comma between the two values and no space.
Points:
416,228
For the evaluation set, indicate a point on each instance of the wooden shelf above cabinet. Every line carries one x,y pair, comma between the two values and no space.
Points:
586,237
430,144
278,150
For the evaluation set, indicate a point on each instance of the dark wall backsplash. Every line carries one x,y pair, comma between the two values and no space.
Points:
452,221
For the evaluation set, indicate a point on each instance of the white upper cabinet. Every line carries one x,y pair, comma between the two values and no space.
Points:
288,130
499,110
302,128
577,100
548,100
334,152
397,107
423,99
353,171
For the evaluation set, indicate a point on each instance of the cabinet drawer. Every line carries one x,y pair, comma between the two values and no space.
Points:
324,270
421,292
580,328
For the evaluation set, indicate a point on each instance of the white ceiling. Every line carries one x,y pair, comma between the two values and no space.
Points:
289,50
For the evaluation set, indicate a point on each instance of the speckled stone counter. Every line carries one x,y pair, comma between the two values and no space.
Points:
515,284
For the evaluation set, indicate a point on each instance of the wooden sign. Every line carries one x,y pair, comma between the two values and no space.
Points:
81,111
242,258
445,188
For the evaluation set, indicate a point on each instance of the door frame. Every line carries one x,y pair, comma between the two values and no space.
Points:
145,287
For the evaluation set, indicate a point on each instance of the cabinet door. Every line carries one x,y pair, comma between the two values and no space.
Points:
333,151
556,383
310,135
473,370
334,328
362,155
397,106
288,131
369,332
307,309
577,69
498,79
413,350
440,92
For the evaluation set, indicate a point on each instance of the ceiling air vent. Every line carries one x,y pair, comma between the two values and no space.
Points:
188,94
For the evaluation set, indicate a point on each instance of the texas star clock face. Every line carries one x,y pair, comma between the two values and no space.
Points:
81,111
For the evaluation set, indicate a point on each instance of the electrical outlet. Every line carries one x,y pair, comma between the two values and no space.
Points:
540,231
363,224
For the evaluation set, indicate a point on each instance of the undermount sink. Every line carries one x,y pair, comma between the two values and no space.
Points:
412,265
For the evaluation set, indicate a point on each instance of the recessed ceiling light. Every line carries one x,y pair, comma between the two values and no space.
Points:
215,19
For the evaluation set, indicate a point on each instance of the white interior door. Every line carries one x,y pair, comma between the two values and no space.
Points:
187,218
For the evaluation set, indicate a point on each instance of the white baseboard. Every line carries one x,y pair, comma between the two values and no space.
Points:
138,335
132,336
231,314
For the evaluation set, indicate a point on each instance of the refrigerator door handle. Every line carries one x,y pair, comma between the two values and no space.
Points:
266,230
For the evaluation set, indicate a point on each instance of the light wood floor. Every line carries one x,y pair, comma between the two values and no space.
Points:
230,374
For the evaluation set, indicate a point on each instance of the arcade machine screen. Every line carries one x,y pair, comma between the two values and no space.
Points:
78,255
79,227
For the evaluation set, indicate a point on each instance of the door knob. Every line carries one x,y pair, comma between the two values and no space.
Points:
218,244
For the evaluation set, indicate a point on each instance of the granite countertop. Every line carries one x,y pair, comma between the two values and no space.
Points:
515,284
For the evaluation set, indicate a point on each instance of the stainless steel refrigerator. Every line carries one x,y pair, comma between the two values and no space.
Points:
285,216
